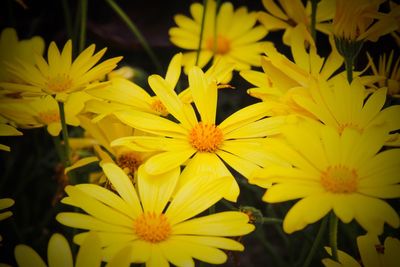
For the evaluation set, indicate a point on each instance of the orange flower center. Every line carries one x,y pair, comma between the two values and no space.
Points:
129,162
205,137
221,45
59,83
48,117
159,107
151,227
339,179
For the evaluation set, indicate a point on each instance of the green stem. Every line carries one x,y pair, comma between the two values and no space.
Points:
64,134
203,16
59,148
333,228
314,19
228,204
268,220
317,241
349,62
67,17
82,33
136,32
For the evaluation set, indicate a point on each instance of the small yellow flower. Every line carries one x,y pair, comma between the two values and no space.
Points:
291,13
42,111
11,48
158,230
282,78
59,75
372,252
228,34
355,20
59,254
343,173
390,71
343,105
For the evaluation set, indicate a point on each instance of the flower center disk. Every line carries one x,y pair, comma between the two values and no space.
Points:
59,83
205,137
222,45
151,227
339,179
129,162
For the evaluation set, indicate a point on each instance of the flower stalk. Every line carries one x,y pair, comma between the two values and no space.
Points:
317,242
333,229
349,49
117,9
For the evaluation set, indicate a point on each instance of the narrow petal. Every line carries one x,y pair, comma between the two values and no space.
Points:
290,191
156,191
123,185
89,253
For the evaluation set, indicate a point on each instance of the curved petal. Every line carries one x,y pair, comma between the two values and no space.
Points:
166,161
27,257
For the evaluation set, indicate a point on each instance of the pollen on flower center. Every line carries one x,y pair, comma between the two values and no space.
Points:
222,45
129,162
205,137
48,117
59,83
159,107
151,227
339,179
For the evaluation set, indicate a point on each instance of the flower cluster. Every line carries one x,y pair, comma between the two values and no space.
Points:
320,132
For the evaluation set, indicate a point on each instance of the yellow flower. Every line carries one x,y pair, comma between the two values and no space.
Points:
59,75
200,144
292,13
99,135
354,20
344,173
342,106
7,130
122,94
373,253
282,78
156,231
228,34
11,48
390,71
59,254
42,111
4,204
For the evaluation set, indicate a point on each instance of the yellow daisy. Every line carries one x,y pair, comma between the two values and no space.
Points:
11,48
283,78
59,75
99,136
156,231
390,71
291,13
372,252
201,144
228,34
59,254
359,20
123,94
343,105
344,173
4,204
42,111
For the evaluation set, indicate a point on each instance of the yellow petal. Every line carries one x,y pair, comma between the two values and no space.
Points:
59,252
121,259
81,163
89,253
166,161
27,257
155,191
